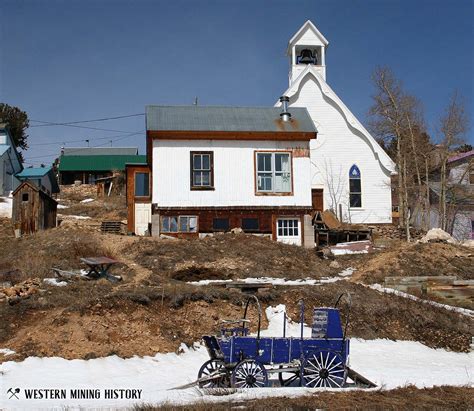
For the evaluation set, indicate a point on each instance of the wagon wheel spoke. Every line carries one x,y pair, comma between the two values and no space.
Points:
324,369
249,374
211,368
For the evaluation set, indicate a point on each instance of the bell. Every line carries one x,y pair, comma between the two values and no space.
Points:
306,57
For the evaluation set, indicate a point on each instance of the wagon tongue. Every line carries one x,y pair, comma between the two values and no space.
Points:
359,379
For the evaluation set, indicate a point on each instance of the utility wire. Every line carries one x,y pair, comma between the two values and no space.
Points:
80,149
67,123
61,142
76,126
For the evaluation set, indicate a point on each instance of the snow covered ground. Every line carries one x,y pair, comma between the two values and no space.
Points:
6,207
281,281
388,363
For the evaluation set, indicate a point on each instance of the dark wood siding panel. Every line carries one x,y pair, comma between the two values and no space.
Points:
318,201
266,217
37,212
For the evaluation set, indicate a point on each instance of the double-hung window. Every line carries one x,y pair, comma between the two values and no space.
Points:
273,172
202,170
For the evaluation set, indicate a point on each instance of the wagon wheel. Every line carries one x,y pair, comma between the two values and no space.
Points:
324,369
290,379
210,368
249,374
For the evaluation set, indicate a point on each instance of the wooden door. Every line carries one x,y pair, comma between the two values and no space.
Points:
317,199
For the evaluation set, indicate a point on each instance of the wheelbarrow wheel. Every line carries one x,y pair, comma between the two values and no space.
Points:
325,369
289,378
249,374
214,367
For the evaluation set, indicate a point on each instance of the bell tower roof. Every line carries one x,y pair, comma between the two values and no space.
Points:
307,47
308,35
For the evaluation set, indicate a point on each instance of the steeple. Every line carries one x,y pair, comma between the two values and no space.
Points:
307,46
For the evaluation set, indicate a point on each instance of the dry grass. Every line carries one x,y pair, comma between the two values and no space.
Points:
406,398
35,255
417,259
228,256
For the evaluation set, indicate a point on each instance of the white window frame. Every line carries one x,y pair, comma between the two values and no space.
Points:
273,172
178,223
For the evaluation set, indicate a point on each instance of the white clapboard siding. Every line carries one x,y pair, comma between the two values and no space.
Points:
234,174
336,149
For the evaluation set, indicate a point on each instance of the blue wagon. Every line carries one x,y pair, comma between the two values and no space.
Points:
240,360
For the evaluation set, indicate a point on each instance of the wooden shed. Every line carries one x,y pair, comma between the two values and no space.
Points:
33,209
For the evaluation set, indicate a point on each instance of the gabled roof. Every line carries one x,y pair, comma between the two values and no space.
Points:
97,162
352,122
3,148
308,25
33,187
100,151
5,128
461,156
33,173
226,119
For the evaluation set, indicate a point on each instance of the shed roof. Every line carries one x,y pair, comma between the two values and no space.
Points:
221,118
98,162
100,151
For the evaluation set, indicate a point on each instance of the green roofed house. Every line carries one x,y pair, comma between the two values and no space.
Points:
88,164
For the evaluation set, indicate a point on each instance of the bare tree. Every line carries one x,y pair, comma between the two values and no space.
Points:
397,120
335,183
453,125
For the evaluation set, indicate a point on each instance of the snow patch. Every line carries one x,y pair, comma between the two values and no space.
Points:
87,200
6,351
54,281
280,281
76,217
62,206
6,207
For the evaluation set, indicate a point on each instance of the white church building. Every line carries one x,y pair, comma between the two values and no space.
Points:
264,170
349,169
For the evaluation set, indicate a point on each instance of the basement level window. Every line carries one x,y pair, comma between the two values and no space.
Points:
250,224
142,184
24,197
220,224
179,224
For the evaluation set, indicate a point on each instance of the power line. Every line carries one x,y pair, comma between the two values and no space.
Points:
50,123
75,141
99,145
76,126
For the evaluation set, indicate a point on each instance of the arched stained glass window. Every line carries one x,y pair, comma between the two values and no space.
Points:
355,187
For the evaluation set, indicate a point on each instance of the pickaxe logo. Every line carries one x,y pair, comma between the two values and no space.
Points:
13,393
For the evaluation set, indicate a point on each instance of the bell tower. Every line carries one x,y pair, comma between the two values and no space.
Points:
307,47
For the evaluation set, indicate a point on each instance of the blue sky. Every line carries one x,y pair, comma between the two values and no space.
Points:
76,60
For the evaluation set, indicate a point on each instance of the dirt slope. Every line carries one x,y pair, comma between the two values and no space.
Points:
416,259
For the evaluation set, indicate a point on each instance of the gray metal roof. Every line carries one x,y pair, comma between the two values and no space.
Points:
219,118
100,151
